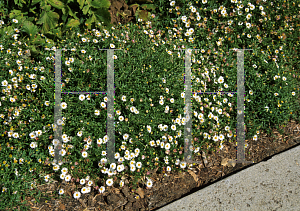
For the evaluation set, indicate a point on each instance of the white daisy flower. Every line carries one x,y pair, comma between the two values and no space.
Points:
77,195
109,182
101,189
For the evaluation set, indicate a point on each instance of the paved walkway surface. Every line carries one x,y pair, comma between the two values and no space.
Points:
269,185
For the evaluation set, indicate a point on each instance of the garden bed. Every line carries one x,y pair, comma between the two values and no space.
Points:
166,189
167,186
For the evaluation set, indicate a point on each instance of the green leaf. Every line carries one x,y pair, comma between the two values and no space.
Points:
14,13
64,10
35,2
89,22
81,3
101,4
103,16
64,16
85,9
29,28
71,13
87,2
148,6
49,20
72,23
47,8
90,12
94,18
19,4
32,10
56,3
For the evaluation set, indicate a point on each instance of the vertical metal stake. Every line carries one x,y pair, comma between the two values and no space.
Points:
110,107
57,107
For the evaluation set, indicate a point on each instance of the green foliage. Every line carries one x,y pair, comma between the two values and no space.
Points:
54,18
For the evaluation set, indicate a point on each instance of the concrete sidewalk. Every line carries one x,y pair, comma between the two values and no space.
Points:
269,185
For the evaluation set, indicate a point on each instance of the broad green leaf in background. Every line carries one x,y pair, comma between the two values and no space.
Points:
48,20
81,3
29,28
90,20
72,23
100,4
88,1
57,4
85,9
105,16
34,2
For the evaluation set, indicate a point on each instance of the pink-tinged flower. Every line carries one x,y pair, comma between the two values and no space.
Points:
180,152
133,41
174,150
148,172
76,163
77,180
